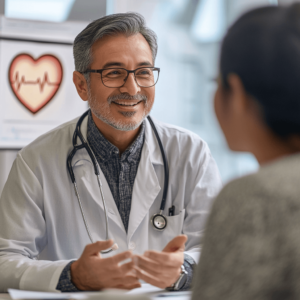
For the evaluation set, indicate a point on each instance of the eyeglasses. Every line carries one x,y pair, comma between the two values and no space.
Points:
116,77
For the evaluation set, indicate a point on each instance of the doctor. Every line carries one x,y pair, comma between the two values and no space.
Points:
45,243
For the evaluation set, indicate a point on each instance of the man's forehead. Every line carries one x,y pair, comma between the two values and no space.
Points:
115,49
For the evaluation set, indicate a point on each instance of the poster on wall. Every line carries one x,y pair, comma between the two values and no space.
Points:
37,93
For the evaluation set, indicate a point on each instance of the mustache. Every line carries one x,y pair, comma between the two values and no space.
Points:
139,97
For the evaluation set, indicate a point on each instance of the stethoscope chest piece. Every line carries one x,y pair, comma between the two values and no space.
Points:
159,222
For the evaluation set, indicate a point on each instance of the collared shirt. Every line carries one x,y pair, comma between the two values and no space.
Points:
120,173
119,170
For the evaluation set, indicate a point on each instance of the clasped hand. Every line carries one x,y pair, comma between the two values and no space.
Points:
161,269
92,272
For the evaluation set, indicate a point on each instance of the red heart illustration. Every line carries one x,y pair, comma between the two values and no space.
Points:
35,81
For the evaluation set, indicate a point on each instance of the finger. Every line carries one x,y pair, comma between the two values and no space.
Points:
132,271
150,266
125,280
150,279
177,244
95,248
129,287
167,259
125,268
116,259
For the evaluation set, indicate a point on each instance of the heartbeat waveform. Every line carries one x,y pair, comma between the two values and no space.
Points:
39,81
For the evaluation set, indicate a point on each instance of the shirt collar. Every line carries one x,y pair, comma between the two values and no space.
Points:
104,150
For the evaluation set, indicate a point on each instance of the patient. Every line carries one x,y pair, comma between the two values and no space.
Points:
251,248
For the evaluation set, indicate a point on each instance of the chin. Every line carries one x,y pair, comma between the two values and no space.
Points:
125,123
131,117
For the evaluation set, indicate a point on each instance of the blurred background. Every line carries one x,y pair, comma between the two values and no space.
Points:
189,35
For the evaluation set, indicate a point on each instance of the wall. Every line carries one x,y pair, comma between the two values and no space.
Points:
86,10
189,34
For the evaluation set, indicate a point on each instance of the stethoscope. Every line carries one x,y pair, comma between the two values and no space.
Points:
158,221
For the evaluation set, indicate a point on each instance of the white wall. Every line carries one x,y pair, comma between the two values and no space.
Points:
188,62
92,9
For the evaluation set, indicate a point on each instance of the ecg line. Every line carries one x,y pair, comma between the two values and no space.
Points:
40,82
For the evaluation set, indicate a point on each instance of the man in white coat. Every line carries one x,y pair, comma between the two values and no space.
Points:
44,241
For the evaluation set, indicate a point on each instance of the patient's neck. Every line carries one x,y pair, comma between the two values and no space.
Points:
269,147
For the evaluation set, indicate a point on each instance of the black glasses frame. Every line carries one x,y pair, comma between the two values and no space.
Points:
128,72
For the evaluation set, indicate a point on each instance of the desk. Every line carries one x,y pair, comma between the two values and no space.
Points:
147,290
155,293
4,296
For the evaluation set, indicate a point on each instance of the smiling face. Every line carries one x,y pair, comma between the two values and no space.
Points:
122,108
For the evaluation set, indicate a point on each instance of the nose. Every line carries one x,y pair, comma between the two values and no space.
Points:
130,86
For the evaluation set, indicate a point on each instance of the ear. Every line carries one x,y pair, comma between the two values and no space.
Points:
81,85
238,95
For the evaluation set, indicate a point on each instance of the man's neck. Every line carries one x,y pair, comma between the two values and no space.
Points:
121,139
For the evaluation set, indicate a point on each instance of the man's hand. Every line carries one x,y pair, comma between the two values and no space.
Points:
162,269
91,272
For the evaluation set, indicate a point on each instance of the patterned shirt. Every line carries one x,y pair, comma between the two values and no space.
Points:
120,173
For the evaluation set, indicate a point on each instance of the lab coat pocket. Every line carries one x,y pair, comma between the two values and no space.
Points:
174,226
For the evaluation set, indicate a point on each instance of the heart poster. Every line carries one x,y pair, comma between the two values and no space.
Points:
35,81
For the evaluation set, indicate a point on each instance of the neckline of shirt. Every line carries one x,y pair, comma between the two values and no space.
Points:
105,150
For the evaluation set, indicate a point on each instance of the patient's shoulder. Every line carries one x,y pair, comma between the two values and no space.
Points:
276,179
274,188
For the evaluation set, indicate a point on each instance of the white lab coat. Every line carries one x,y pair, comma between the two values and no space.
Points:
41,227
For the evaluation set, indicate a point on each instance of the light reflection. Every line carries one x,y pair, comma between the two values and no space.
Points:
43,10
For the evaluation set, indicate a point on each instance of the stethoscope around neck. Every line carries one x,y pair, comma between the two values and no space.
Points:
158,221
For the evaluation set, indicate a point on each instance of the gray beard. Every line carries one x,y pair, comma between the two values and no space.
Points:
102,111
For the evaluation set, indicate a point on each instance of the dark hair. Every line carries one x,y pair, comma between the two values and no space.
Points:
263,48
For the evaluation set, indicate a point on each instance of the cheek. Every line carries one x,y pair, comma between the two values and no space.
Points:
99,91
224,117
229,122
219,109
150,93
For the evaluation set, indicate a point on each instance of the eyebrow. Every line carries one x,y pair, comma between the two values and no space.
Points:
145,63
121,65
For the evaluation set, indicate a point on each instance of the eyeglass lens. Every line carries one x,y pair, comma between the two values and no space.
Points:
144,77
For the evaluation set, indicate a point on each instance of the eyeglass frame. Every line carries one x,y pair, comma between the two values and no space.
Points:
99,71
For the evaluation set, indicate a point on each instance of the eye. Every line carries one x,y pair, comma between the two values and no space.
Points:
114,72
144,72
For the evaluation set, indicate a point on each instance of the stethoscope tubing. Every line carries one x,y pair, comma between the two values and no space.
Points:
84,144
166,166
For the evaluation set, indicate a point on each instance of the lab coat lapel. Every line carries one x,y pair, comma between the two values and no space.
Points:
92,185
146,185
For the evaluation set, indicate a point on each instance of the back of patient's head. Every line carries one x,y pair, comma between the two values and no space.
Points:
263,49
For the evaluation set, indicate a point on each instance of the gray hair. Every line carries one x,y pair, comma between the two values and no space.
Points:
125,23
